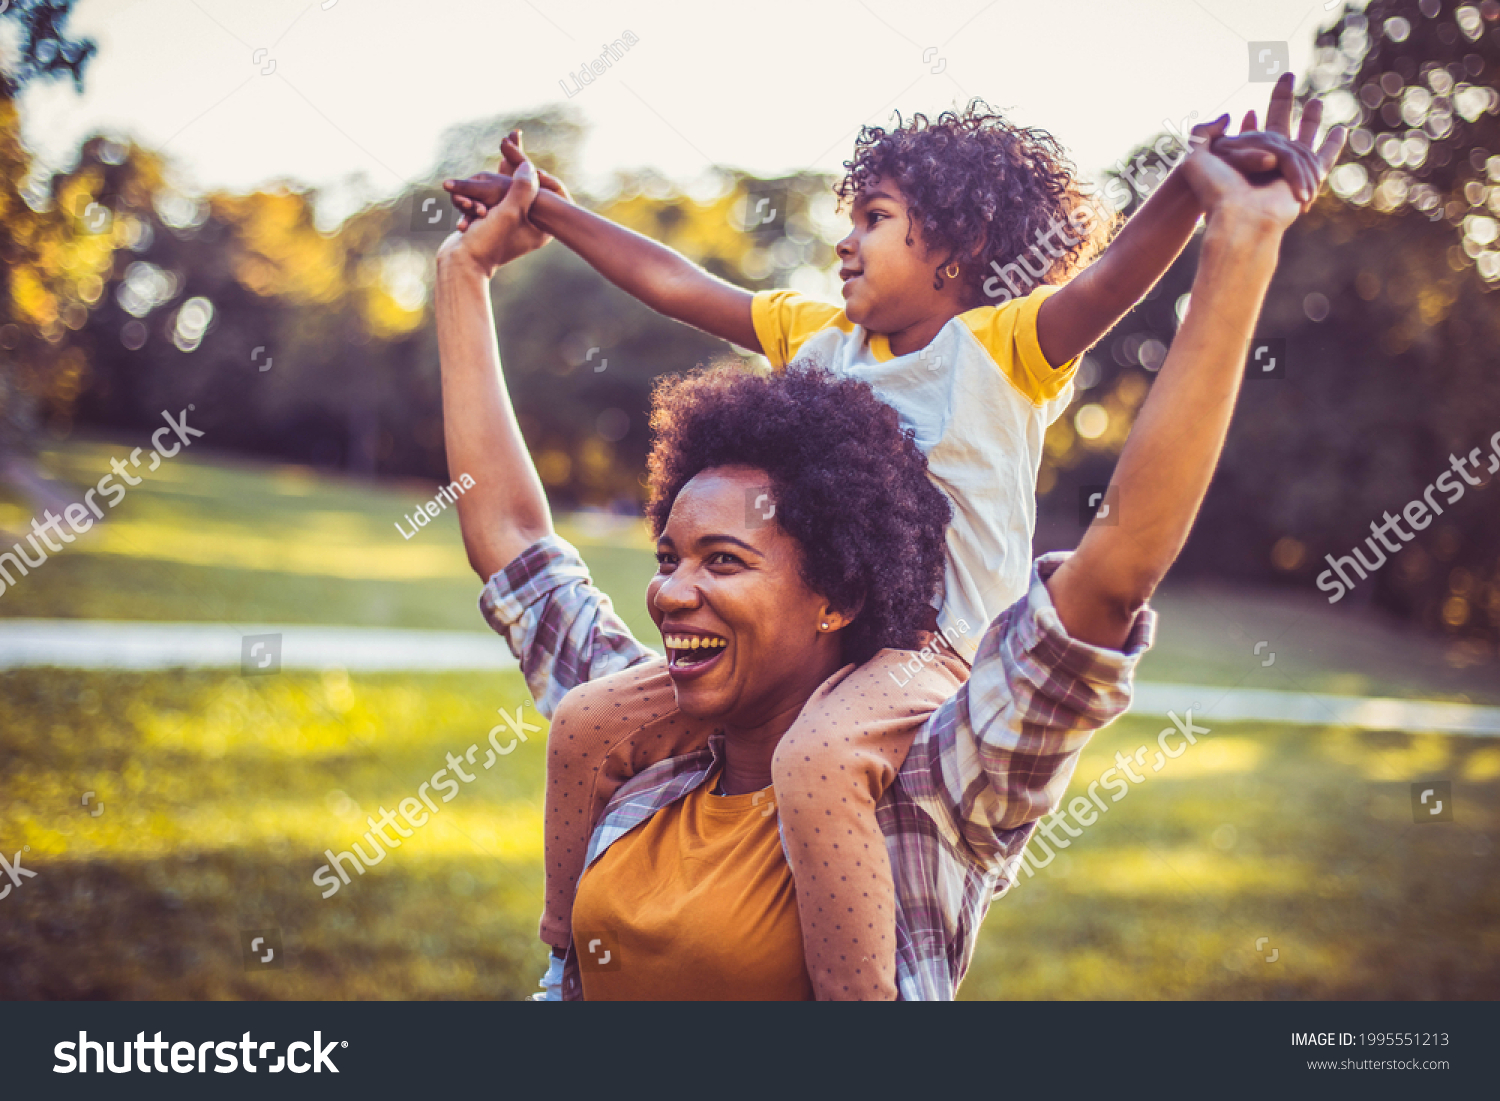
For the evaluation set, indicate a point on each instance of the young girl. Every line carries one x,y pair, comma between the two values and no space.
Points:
945,214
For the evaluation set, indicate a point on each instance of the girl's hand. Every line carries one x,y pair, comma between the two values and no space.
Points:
1218,185
498,235
1260,155
1275,149
485,190
1221,189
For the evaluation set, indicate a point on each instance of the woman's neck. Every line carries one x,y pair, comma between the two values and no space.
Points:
748,749
748,752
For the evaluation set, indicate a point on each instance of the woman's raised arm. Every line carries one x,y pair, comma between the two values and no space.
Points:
505,511
1169,459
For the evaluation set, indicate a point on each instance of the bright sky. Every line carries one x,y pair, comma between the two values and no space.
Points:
366,86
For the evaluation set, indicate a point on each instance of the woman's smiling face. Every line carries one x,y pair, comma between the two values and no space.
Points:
741,628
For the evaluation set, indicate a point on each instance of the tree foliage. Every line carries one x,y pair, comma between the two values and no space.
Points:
40,45
1389,332
53,250
1417,82
316,344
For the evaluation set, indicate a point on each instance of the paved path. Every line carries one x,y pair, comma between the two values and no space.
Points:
1212,704
105,644
102,644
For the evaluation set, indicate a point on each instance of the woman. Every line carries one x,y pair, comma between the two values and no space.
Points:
687,893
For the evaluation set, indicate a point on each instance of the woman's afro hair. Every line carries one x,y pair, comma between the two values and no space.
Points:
981,191
848,484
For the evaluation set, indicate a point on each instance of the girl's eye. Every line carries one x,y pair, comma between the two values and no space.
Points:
665,559
724,558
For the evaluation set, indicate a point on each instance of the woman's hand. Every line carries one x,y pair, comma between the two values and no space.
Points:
501,234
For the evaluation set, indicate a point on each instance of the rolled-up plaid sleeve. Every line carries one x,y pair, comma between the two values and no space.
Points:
561,629
999,754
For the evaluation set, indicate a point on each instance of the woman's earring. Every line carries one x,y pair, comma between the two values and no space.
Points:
823,627
951,271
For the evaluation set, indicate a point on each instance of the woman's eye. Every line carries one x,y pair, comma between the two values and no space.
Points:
724,558
663,560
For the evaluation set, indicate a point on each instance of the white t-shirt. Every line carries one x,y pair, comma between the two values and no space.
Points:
979,398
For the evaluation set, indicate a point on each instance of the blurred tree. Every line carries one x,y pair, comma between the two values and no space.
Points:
551,136
52,254
291,341
316,344
1416,80
1389,329
39,47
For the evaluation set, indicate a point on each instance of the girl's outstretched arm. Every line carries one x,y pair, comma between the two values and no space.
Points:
1074,318
661,277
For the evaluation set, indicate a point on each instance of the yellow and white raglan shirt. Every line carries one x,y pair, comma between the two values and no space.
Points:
979,398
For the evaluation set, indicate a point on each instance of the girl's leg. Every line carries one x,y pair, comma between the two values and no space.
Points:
831,768
604,732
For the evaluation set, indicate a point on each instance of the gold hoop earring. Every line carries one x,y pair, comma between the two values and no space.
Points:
951,271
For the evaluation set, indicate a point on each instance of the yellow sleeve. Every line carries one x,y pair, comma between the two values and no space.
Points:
1008,333
784,320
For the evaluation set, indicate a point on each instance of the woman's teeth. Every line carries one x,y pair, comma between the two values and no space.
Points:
694,642
691,648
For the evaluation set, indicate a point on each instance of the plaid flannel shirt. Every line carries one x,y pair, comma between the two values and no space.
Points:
989,762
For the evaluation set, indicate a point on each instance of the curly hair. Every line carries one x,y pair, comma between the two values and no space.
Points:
849,485
978,186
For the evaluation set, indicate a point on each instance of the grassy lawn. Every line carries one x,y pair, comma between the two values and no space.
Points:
241,542
221,793
1305,837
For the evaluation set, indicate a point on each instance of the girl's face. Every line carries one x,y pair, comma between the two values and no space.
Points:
888,281
740,626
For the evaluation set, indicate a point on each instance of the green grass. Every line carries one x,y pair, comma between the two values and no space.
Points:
1305,837
241,542
221,793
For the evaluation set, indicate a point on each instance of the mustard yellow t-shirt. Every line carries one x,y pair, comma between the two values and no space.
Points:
979,398
695,904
